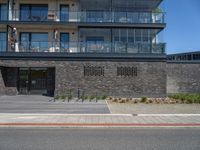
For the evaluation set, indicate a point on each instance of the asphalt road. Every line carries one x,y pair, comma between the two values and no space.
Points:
42,104
99,139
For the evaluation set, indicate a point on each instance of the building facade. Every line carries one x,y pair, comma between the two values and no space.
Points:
106,47
183,72
189,56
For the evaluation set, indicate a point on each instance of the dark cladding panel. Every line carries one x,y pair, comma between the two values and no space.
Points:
10,76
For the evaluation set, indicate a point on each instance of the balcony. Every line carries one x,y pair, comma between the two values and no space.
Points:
86,17
121,17
85,47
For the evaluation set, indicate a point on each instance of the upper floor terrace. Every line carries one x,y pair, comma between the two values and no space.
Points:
84,41
83,11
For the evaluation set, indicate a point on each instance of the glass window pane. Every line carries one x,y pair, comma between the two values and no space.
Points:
34,42
24,41
39,13
64,42
39,37
25,37
33,12
95,16
2,41
95,44
95,39
3,12
64,12
39,42
25,13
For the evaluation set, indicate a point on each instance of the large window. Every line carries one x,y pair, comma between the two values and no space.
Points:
95,44
3,12
120,40
33,12
95,16
34,42
2,41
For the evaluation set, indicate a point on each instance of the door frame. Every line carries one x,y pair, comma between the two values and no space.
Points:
29,76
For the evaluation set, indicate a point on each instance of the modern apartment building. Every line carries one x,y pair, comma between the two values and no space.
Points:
107,47
189,56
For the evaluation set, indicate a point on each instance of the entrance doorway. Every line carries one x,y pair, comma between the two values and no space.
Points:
39,81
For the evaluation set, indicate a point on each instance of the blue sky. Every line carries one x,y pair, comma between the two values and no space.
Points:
183,25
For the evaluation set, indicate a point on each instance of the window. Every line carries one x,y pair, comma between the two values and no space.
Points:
95,44
33,12
93,71
124,39
95,16
64,13
127,71
34,42
64,42
196,56
3,12
2,41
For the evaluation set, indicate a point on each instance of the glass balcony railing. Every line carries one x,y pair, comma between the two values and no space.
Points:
88,47
121,17
86,16
2,46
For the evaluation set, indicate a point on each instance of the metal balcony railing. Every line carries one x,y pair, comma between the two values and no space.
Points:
85,16
88,47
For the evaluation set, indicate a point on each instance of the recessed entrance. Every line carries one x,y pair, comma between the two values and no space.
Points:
40,81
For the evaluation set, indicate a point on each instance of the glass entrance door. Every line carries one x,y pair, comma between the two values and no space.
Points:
33,81
24,81
38,81
64,42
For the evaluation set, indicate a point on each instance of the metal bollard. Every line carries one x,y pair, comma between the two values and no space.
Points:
54,99
78,93
69,95
96,97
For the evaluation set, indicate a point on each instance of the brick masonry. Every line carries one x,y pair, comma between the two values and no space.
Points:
2,86
150,80
154,79
183,77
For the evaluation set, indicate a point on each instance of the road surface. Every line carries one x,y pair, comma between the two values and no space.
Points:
98,139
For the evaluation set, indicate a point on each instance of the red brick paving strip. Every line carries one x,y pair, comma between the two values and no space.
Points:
98,125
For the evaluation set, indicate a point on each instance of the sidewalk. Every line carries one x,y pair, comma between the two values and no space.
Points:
101,120
129,108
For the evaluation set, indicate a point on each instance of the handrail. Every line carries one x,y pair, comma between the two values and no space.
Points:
87,16
88,47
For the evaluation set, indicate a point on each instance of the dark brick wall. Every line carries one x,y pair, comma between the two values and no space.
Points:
183,78
153,79
2,85
8,81
150,80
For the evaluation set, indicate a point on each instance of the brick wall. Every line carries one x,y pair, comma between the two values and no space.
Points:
149,78
2,86
183,77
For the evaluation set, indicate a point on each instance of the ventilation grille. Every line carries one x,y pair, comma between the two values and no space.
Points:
127,71
93,71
